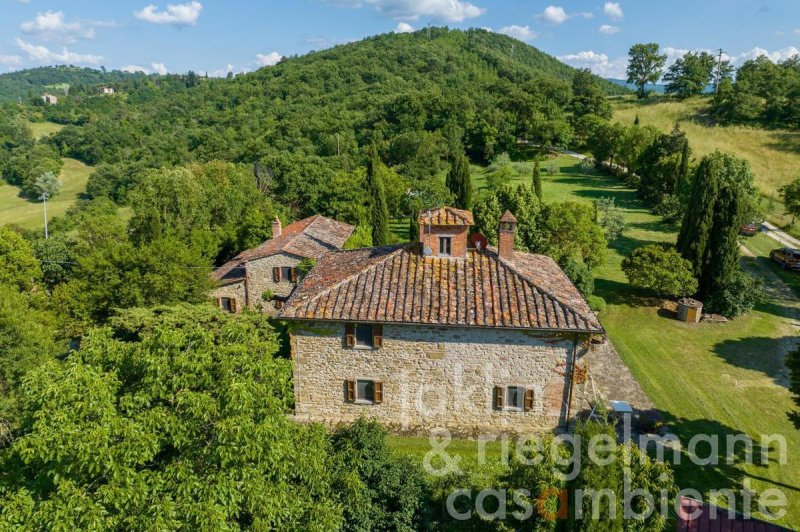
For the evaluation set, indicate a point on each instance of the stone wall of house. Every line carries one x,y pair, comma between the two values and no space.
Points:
233,290
259,277
433,377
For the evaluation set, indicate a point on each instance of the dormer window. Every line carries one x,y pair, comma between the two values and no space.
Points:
445,246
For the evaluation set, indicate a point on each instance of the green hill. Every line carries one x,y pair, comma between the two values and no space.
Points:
774,154
32,82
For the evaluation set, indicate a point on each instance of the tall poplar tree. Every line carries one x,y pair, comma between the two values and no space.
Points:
378,208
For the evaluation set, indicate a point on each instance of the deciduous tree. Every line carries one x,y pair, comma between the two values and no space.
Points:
644,66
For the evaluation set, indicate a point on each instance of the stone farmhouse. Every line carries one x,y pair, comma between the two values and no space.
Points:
49,99
438,334
265,276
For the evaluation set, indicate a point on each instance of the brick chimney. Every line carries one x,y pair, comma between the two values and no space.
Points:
277,228
505,235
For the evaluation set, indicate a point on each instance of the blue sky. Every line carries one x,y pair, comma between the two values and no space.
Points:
217,36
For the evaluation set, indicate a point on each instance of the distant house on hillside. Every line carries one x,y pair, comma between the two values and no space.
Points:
437,333
49,99
106,90
265,276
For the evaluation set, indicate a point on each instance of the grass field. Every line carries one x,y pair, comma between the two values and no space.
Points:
773,154
42,129
716,379
29,214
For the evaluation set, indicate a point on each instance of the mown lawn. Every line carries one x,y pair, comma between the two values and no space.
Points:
715,379
774,155
15,209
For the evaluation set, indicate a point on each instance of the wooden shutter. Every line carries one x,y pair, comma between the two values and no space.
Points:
218,301
377,336
351,391
294,275
377,395
349,335
499,396
528,404
276,274
233,305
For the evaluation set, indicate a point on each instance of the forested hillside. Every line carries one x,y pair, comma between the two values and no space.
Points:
29,83
411,94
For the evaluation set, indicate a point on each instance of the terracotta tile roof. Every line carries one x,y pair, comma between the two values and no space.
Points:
508,217
308,238
446,216
395,284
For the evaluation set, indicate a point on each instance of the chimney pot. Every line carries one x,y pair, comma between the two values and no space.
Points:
505,236
277,228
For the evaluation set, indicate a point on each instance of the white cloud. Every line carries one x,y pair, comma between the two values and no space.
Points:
522,33
403,27
10,60
797,31
557,15
45,55
159,68
774,56
269,59
608,29
52,26
175,14
554,14
410,10
135,68
613,10
598,63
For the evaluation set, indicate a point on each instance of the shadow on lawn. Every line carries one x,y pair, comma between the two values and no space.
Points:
762,354
720,474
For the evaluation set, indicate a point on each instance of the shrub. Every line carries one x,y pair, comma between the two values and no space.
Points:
738,296
610,218
596,303
580,275
385,492
659,268
671,208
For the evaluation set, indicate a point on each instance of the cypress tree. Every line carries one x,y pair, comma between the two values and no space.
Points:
464,185
378,208
537,179
683,169
697,222
709,234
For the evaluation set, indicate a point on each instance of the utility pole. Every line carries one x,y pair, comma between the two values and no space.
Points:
719,71
429,30
44,198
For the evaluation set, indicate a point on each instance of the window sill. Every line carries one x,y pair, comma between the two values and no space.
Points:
512,409
363,347
363,402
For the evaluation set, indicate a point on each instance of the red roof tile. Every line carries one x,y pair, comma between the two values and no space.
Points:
308,238
395,284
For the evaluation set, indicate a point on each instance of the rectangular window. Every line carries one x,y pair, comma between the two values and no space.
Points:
364,391
445,244
286,273
226,304
363,335
513,398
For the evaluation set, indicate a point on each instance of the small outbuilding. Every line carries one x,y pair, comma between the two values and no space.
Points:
49,99
690,310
